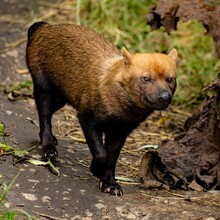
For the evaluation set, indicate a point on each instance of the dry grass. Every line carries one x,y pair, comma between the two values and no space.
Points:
158,127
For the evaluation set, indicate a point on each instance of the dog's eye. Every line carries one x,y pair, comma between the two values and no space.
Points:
146,79
169,80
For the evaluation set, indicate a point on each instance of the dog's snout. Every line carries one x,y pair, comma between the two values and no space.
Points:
164,96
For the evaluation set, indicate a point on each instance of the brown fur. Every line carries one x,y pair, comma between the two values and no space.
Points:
87,67
113,91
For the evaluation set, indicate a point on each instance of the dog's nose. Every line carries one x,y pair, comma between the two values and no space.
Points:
164,96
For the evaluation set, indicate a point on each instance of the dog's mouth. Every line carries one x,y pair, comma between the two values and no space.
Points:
157,105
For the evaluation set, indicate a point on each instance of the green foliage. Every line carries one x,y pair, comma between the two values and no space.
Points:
7,149
2,129
124,23
2,133
11,214
23,85
8,215
6,189
198,65
48,163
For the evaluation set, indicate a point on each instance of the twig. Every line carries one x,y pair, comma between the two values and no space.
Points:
175,194
33,121
14,44
164,126
128,183
81,140
181,112
193,199
48,216
126,164
81,163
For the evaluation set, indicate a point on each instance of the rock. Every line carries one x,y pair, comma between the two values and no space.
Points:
99,205
29,196
46,199
131,216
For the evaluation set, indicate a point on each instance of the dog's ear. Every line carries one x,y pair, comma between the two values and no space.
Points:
173,54
126,55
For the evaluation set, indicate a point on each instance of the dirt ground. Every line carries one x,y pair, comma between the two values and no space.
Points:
74,194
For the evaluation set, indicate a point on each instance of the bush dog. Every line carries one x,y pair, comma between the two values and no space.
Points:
112,90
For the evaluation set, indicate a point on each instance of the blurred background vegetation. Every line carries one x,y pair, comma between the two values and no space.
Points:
124,23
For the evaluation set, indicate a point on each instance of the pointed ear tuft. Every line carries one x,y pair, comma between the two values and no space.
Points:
126,55
173,54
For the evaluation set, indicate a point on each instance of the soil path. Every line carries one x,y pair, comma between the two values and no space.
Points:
74,194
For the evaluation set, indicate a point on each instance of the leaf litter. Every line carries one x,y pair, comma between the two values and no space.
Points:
192,160
23,155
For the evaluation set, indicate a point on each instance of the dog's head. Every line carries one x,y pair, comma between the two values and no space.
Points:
150,79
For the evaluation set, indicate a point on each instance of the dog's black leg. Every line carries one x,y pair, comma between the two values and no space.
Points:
47,101
114,142
93,134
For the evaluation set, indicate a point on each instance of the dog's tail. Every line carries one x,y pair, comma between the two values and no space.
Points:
34,27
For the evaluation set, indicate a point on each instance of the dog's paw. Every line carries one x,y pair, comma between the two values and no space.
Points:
112,189
49,152
55,142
